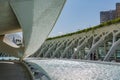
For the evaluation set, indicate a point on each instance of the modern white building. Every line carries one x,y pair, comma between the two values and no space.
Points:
96,43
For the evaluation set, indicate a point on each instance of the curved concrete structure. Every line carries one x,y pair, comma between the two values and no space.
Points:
35,18
8,20
100,44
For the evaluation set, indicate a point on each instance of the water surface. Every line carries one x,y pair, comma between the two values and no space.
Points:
79,70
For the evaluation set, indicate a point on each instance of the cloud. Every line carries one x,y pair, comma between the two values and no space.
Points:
60,33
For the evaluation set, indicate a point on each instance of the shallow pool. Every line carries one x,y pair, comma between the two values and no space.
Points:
79,70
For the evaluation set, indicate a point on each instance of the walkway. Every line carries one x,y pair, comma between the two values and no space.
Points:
13,71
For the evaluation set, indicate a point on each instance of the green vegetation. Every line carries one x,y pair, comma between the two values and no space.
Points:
88,29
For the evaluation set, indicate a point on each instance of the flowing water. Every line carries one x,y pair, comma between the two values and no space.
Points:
79,70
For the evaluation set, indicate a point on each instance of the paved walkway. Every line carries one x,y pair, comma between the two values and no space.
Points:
13,71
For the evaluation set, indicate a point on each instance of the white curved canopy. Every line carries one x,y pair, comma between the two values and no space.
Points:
35,18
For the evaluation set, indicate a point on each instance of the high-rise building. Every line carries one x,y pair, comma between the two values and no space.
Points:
107,15
110,15
117,10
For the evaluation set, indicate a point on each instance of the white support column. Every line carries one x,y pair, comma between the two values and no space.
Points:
51,50
79,43
112,50
44,50
81,46
58,48
41,48
113,47
96,45
70,47
68,43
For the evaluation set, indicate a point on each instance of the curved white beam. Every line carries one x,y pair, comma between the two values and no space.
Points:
50,50
35,17
82,45
97,44
70,47
58,49
112,50
113,47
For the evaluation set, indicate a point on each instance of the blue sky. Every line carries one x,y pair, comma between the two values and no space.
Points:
80,14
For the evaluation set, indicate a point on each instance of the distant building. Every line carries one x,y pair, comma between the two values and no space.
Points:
110,15
15,38
117,10
107,15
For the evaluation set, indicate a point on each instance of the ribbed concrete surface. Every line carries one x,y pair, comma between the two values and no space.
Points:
13,71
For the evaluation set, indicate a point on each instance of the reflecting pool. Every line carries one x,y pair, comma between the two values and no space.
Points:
79,70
